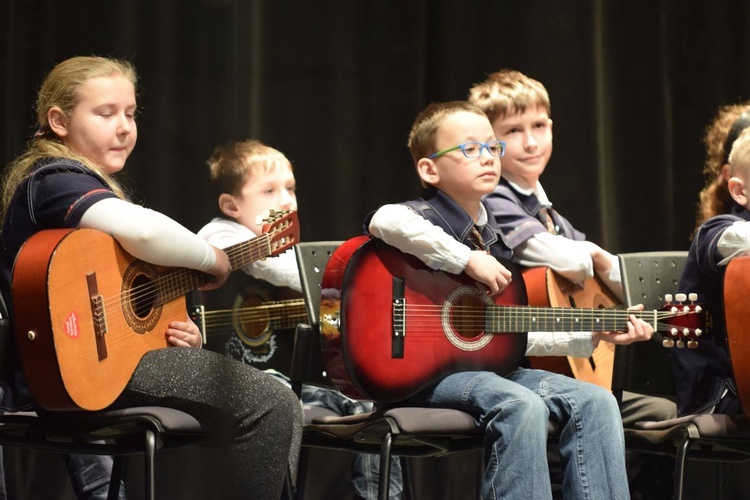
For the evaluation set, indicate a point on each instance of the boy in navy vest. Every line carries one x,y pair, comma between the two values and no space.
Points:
457,158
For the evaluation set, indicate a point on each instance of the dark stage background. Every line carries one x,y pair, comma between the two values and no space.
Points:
336,85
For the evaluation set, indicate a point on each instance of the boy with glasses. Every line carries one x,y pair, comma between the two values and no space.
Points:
457,159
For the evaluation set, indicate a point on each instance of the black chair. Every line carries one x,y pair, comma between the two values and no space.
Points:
120,433
396,432
647,278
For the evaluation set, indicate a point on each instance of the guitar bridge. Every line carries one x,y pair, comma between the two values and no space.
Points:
399,319
98,316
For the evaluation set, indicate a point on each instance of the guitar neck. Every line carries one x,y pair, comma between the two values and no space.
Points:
247,252
561,319
178,281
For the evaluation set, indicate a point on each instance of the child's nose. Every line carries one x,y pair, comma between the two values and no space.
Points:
286,201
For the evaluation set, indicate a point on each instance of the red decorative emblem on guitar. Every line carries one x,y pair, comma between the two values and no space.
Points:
391,326
86,311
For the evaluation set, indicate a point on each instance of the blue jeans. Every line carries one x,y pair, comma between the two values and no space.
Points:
89,476
514,413
366,466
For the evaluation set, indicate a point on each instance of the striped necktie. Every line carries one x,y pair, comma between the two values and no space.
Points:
475,237
547,220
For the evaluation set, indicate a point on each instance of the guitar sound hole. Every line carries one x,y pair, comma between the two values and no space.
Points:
142,296
255,324
467,316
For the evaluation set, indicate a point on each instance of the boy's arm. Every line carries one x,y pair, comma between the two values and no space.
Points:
278,271
733,242
575,260
402,228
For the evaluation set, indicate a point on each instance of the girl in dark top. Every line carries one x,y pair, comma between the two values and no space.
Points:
86,118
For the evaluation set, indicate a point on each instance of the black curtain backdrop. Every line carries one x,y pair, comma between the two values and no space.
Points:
336,85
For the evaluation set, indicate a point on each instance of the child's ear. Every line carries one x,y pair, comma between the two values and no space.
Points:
58,123
726,171
428,171
228,206
737,191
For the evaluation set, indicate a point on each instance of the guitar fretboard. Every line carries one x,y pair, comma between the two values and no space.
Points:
563,319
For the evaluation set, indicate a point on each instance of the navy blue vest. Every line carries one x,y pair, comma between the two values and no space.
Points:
703,376
438,208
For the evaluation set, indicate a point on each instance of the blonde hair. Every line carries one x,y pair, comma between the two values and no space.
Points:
232,164
509,92
61,89
739,158
714,198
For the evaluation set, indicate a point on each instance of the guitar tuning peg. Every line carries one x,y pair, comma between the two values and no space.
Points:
680,297
698,332
685,332
668,343
673,332
692,297
697,309
673,310
686,309
680,344
692,344
668,297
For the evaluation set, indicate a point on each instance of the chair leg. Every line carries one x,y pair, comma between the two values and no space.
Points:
150,467
288,492
408,480
301,473
679,471
384,480
118,472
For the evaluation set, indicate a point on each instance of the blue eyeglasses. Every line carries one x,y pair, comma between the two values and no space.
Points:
473,149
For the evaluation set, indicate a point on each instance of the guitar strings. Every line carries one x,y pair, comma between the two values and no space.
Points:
174,283
280,311
421,317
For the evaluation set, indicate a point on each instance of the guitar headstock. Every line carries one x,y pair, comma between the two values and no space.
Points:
282,228
687,322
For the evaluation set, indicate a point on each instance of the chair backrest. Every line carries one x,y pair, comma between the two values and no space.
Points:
312,258
646,367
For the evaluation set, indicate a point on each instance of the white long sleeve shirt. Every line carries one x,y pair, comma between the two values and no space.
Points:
401,227
279,271
569,258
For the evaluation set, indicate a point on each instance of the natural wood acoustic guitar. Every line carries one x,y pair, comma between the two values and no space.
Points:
85,311
546,288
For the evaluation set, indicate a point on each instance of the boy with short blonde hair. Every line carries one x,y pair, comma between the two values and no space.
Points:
457,155
519,109
250,177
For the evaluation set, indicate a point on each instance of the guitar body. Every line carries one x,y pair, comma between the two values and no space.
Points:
54,319
546,288
86,311
367,358
261,321
736,292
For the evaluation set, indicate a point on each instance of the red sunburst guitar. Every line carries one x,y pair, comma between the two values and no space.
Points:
86,311
546,288
390,326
